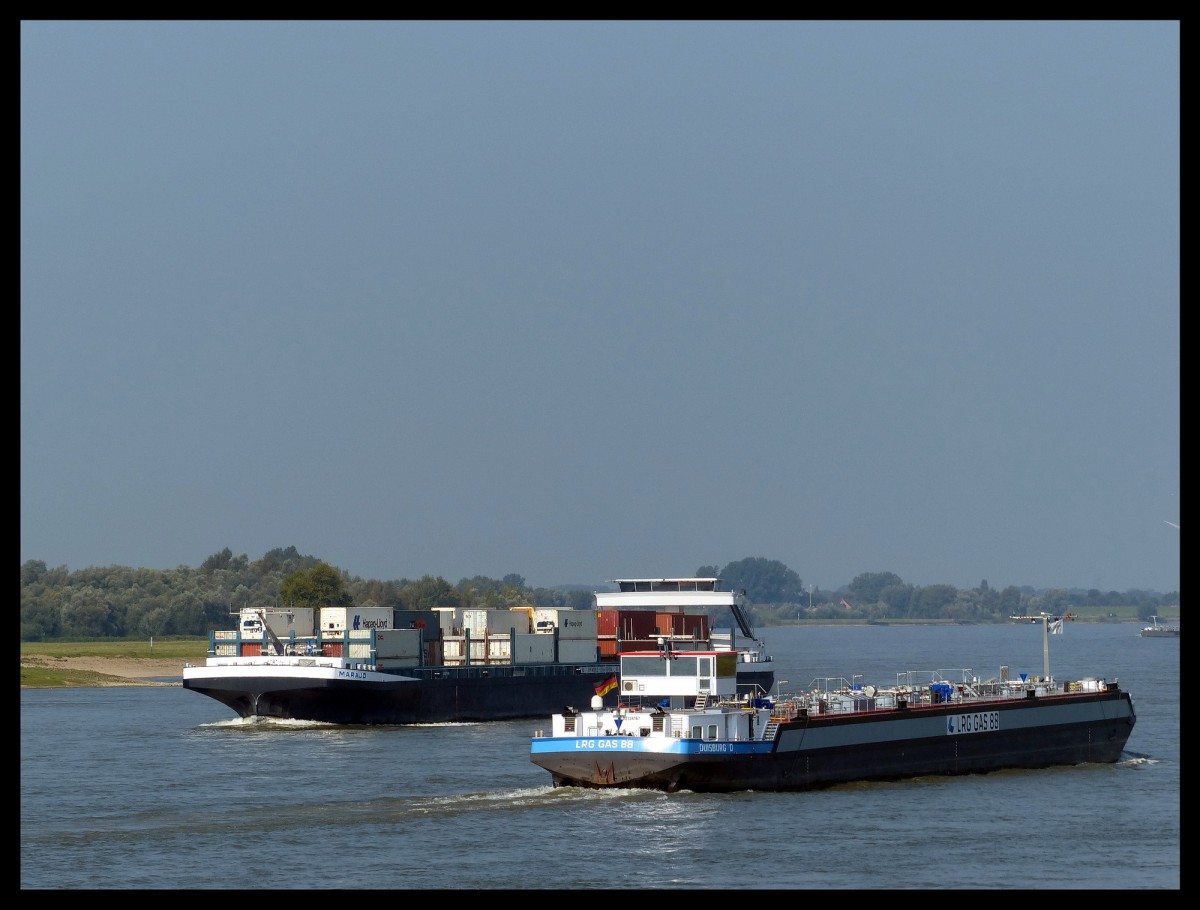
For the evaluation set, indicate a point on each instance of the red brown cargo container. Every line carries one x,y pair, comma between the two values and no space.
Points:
634,624
695,626
606,622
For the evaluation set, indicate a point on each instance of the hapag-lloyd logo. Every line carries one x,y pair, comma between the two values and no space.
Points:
360,623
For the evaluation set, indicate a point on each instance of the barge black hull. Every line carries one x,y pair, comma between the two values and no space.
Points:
821,751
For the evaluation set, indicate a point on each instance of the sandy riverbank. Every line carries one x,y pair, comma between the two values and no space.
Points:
130,671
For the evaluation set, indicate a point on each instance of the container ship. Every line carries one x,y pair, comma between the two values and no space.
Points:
374,665
680,724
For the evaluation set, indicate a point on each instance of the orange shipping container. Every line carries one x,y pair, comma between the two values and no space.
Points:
606,622
669,623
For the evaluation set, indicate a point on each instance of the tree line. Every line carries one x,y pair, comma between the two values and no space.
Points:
124,602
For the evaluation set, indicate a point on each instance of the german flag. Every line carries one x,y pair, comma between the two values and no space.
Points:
603,688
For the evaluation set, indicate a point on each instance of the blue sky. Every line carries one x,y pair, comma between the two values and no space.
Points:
589,300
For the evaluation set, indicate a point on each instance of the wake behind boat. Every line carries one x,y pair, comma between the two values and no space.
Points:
369,665
680,725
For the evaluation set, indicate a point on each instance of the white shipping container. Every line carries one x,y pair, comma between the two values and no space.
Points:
576,650
494,622
521,619
369,617
569,623
577,625
450,618
250,623
286,622
533,649
339,619
333,619
502,622
281,622
500,648
476,621
394,643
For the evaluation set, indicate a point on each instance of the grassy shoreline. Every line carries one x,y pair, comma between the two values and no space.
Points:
94,664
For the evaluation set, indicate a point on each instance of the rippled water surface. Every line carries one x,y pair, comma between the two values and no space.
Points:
160,788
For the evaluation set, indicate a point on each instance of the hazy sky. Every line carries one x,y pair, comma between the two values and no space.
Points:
591,300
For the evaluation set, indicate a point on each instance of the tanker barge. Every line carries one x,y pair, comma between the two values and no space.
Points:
680,724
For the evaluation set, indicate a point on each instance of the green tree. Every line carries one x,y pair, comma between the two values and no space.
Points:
897,600
766,581
220,560
379,593
40,619
431,592
118,601
867,588
320,586
934,601
88,613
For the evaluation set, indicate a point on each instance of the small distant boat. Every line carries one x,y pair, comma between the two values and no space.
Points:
1160,630
680,724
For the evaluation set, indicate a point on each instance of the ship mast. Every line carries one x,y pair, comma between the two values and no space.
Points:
1045,620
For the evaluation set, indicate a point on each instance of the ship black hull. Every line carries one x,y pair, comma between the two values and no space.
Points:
456,696
822,751
419,696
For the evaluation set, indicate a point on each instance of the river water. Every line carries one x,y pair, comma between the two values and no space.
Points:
161,788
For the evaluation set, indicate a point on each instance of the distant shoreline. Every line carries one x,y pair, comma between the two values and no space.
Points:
113,671
104,672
